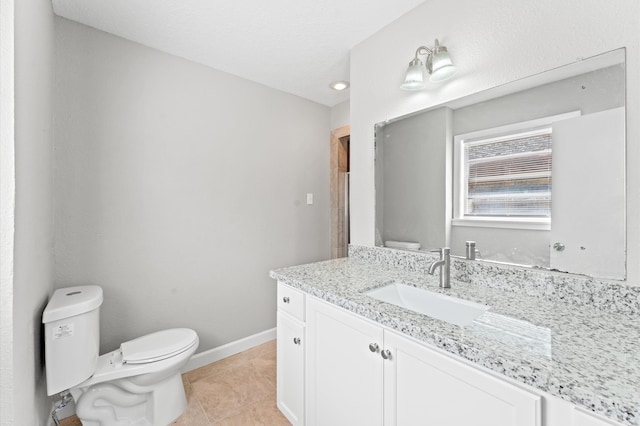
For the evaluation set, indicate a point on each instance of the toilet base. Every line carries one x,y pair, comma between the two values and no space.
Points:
124,403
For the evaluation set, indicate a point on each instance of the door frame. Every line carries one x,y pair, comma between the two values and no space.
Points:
337,192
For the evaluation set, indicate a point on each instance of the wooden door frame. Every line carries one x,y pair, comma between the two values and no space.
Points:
336,135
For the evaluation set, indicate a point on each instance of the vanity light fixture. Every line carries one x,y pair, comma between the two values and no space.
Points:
338,86
439,66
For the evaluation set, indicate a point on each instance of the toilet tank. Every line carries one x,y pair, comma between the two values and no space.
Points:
71,336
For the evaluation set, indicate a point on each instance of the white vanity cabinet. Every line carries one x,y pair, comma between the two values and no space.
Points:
582,418
558,412
425,386
360,373
291,345
344,368
338,368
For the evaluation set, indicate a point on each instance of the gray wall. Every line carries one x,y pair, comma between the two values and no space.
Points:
33,248
179,187
589,93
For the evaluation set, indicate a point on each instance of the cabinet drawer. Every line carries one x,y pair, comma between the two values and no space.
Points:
291,301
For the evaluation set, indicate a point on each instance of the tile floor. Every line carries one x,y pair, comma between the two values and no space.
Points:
236,391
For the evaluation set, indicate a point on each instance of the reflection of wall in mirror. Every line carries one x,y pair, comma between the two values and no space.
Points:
409,179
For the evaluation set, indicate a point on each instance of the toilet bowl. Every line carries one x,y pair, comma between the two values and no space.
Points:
137,384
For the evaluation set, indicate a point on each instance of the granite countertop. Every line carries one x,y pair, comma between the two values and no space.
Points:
581,354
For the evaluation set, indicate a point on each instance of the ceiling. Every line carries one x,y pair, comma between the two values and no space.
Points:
297,46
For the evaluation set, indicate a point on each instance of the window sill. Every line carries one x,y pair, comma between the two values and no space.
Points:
511,223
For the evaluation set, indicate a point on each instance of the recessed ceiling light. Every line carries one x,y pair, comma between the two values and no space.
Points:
339,85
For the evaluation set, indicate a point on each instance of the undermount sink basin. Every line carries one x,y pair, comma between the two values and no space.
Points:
439,306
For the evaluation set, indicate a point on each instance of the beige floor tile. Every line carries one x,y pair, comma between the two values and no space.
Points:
261,350
194,414
230,362
262,412
216,368
265,365
71,421
226,394
270,346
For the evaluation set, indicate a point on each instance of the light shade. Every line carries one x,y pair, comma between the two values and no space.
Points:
439,65
414,79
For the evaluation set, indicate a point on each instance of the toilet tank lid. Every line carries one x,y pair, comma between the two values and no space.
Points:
71,301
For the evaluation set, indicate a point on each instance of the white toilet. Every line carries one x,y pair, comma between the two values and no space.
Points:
137,384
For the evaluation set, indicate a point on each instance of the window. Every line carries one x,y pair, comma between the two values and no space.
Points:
503,176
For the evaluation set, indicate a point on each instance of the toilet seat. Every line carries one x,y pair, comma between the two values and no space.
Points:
147,393
157,346
160,354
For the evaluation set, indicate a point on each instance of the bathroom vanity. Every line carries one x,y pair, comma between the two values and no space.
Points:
373,339
547,352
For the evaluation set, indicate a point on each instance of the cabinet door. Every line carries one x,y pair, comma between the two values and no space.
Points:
290,368
343,376
423,386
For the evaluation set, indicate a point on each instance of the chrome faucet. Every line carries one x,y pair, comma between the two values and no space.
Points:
444,263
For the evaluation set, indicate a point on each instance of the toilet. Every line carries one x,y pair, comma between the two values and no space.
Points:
137,384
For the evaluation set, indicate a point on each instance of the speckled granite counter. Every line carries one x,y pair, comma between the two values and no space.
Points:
584,354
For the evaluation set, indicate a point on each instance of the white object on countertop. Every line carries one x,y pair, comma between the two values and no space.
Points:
405,245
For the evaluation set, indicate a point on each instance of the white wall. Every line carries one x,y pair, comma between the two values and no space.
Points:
25,121
7,212
492,42
340,115
179,187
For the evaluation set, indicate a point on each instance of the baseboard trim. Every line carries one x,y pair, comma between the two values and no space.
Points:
216,354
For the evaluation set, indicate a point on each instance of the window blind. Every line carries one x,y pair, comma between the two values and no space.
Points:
509,175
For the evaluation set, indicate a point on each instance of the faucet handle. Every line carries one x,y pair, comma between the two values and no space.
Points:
442,250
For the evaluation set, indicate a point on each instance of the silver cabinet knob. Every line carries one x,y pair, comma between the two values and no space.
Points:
386,354
373,347
558,246
286,299
296,340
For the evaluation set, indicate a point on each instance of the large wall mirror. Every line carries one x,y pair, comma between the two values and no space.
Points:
532,171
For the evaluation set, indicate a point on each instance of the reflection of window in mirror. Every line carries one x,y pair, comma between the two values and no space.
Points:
508,176
503,175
